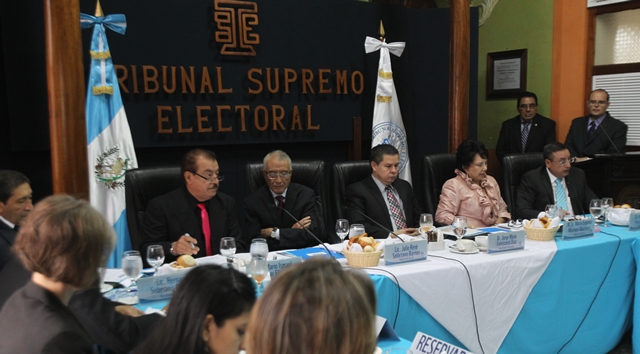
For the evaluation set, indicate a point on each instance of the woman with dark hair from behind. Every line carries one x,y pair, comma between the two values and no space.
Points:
209,313
63,242
314,307
473,193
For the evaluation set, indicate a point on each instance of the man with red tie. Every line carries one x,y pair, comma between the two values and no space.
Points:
193,218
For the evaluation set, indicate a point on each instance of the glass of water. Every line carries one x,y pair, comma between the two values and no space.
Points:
259,248
342,228
551,211
155,257
607,204
595,208
356,230
132,267
459,226
228,248
426,223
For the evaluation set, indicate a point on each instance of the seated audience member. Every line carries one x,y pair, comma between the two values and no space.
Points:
15,205
526,132
597,133
314,307
63,241
384,197
264,219
554,183
209,313
195,217
473,193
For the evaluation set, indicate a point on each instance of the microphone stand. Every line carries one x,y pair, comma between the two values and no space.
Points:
608,137
306,229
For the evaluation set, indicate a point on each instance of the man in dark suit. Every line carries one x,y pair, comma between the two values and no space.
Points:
554,183
538,130
384,197
195,217
263,217
15,204
599,132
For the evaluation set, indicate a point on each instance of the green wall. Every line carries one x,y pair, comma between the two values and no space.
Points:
515,24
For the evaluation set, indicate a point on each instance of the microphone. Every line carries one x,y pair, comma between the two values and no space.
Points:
306,229
608,137
375,222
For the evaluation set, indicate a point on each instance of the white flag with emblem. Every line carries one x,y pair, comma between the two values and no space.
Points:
110,146
388,127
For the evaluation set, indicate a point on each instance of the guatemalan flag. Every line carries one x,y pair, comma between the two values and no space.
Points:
110,146
388,127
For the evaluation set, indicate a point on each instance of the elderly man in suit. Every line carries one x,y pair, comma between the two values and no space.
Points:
554,183
384,197
599,132
262,208
195,217
15,204
526,132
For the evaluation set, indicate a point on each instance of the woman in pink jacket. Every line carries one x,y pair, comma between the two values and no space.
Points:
472,193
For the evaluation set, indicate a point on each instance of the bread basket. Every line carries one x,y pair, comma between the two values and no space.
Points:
539,234
363,259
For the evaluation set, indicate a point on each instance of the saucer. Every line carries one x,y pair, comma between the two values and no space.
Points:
482,249
455,250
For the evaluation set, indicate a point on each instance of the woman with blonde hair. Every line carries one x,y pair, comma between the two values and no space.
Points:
314,307
63,242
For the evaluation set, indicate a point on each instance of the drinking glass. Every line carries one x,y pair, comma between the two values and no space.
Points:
356,230
228,248
551,211
258,270
342,228
595,208
155,257
607,204
259,248
426,223
132,267
459,226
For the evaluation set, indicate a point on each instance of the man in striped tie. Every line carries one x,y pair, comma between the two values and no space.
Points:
384,197
554,183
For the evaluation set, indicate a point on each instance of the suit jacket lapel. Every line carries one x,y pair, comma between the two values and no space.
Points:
268,201
546,183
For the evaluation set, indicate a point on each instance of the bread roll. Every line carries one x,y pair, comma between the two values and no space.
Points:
365,241
186,261
369,249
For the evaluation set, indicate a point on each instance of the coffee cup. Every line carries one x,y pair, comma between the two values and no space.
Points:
466,245
482,241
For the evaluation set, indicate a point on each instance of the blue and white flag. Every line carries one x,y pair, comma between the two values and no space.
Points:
110,146
388,127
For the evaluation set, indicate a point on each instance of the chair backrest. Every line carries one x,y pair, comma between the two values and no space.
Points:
306,173
142,185
342,175
436,170
513,167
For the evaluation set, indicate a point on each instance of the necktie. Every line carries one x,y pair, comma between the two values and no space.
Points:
525,134
396,213
592,130
561,197
206,228
280,200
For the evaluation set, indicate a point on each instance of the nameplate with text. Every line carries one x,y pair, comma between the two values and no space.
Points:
578,228
160,287
424,343
634,220
405,252
276,266
506,241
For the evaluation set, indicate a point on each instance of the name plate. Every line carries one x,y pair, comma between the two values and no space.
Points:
276,266
578,228
405,252
506,241
424,343
634,220
160,287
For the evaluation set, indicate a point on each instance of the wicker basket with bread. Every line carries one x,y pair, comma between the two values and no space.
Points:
361,251
544,233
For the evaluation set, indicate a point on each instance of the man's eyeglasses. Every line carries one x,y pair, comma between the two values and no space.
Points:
565,161
274,175
594,102
210,178
530,105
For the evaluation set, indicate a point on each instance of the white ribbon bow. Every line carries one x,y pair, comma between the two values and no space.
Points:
371,45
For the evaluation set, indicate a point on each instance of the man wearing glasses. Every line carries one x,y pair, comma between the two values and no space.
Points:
263,208
193,218
599,132
554,183
526,132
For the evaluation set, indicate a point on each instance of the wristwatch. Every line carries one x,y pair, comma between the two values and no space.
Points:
273,232
171,250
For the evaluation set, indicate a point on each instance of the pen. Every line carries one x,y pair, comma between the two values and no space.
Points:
187,234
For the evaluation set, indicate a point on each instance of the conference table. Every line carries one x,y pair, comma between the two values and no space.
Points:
581,303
